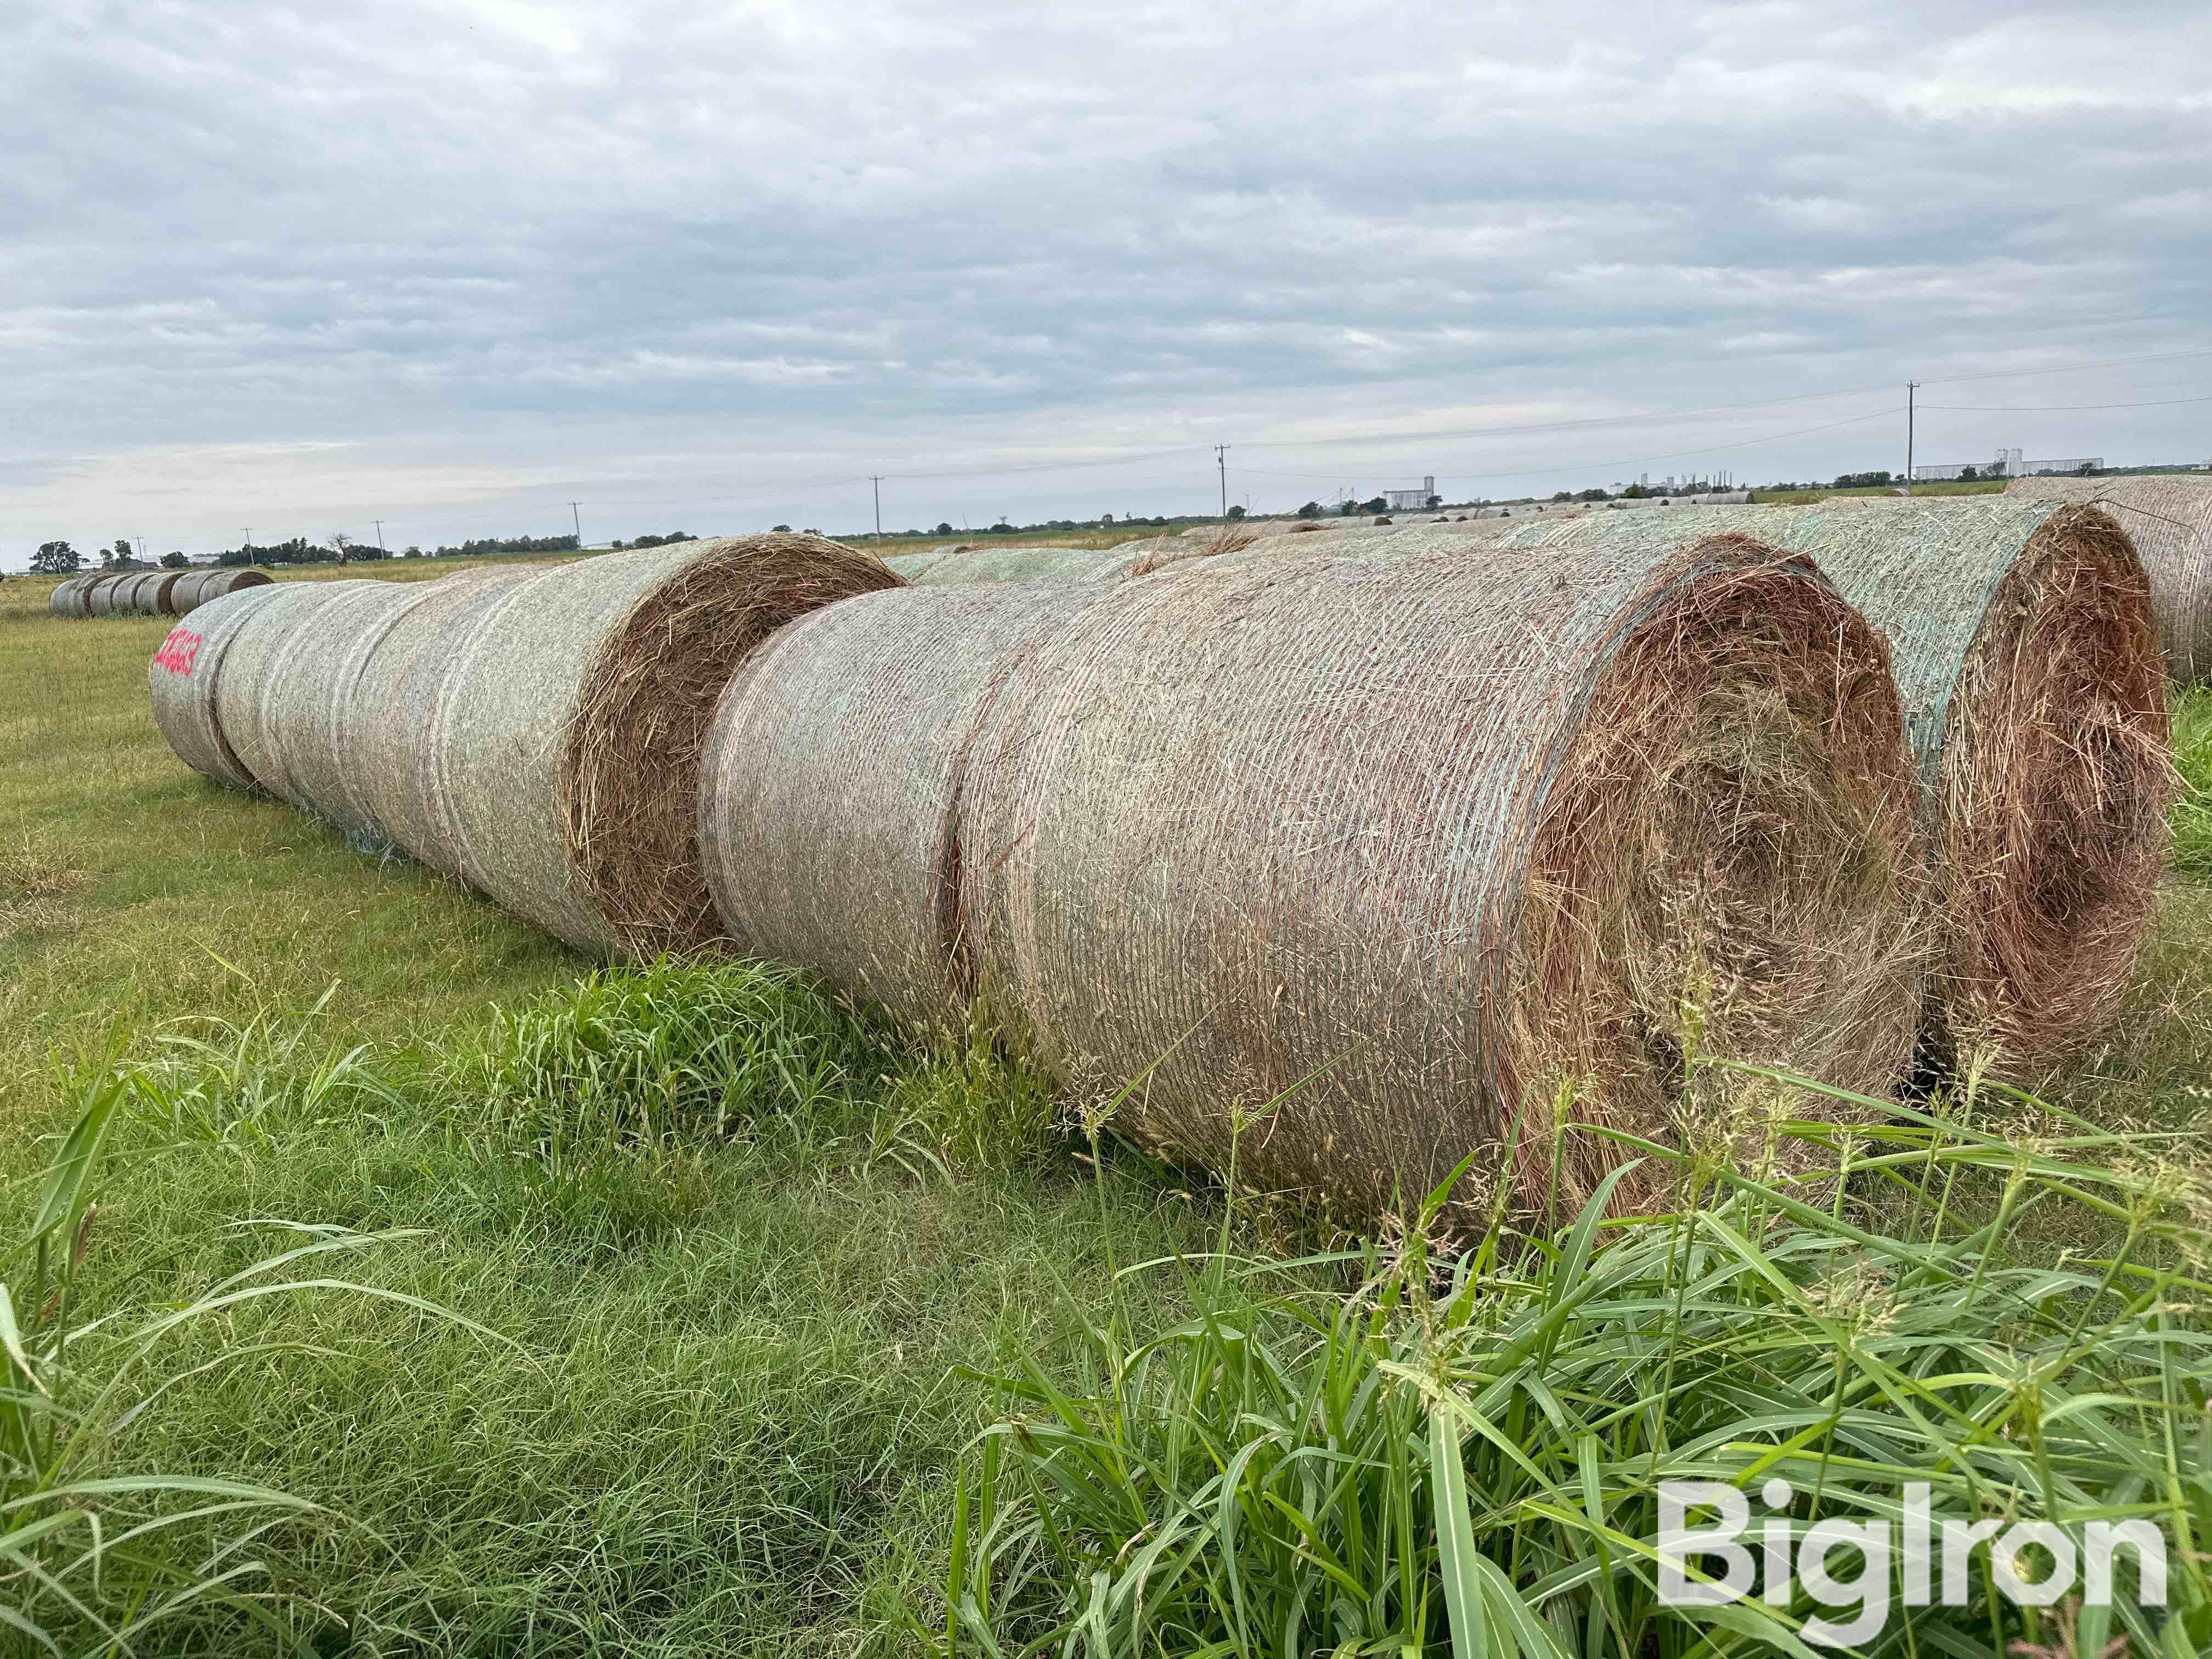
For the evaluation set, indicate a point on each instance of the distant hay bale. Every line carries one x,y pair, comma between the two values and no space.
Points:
100,594
2025,653
69,596
982,561
201,586
832,775
184,680
1393,848
141,595
2169,519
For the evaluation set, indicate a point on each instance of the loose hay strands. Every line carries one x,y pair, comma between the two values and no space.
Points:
832,779
2027,657
2170,521
1374,857
183,679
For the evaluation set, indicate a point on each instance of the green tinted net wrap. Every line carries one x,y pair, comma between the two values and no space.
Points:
832,777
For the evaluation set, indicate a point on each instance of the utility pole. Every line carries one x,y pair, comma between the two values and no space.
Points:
381,547
249,544
577,519
1911,388
1221,461
877,480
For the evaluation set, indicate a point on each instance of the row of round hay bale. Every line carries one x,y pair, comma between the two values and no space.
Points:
533,733
70,596
2170,520
2025,653
1350,864
147,594
196,587
988,562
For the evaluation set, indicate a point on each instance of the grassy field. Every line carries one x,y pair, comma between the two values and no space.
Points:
733,1262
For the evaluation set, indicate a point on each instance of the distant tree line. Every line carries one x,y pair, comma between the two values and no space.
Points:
520,544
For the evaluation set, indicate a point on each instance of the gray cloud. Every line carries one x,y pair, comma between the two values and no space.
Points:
455,264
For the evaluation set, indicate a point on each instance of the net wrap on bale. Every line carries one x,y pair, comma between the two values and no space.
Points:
2025,653
199,587
184,680
832,778
1384,852
2170,521
533,733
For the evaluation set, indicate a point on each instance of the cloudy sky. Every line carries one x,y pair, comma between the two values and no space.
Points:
455,265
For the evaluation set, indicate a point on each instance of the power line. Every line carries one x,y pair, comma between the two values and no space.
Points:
2052,409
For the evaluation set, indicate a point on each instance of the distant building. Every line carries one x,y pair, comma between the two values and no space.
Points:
2005,464
1410,501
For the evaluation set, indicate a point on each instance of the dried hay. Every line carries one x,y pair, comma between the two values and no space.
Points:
183,681
1412,841
2170,520
2026,655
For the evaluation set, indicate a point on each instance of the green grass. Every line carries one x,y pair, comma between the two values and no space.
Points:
2193,757
1939,487
1474,1463
747,1258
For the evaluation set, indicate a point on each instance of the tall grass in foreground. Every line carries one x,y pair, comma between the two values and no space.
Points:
2192,758
1473,1463
94,1551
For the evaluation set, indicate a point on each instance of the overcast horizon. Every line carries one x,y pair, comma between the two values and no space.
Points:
454,267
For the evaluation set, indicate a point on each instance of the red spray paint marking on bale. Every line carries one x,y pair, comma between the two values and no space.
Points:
178,651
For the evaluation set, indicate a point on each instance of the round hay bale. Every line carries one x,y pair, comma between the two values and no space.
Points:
68,598
267,687
565,744
831,777
100,595
1386,852
163,591
984,562
2025,653
382,741
2170,521
134,595
205,585
184,678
